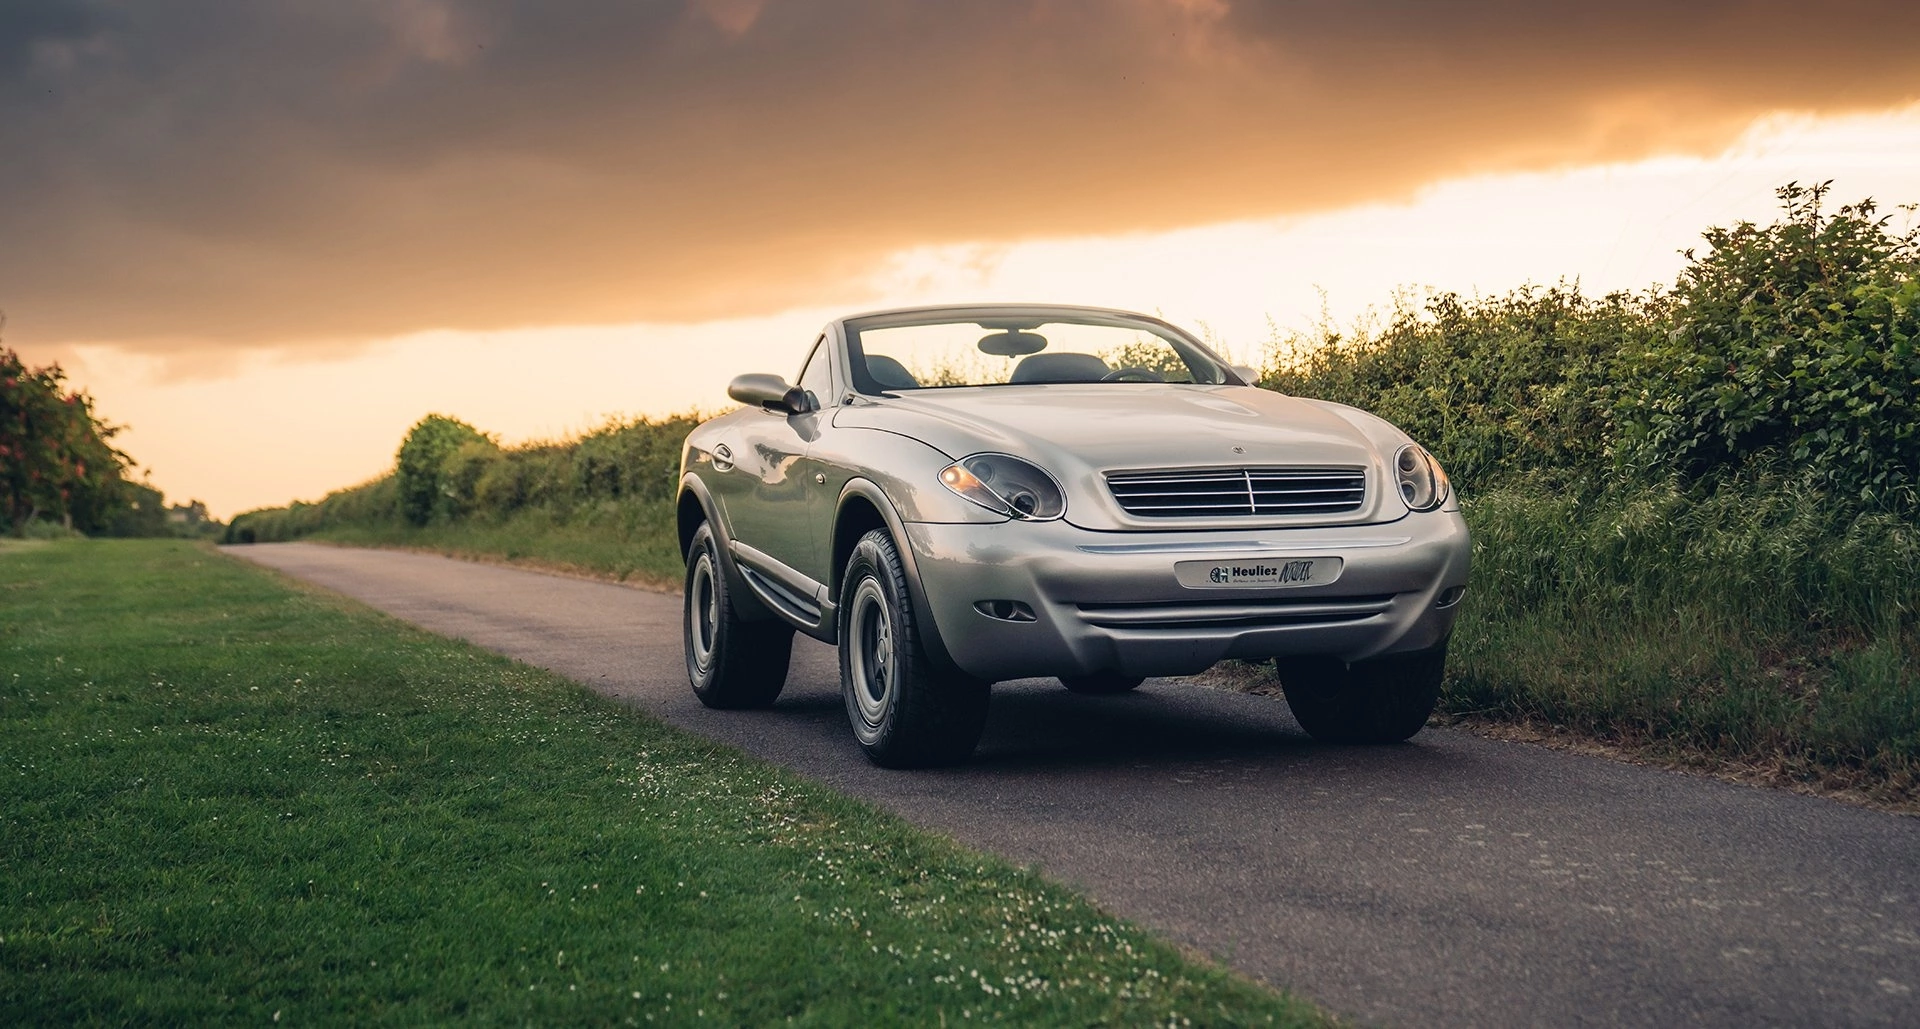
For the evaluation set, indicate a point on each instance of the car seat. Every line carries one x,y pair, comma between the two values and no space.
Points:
1059,368
889,373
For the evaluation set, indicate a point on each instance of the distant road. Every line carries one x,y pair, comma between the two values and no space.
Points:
1451,881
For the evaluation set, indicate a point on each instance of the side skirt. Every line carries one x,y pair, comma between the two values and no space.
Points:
792,595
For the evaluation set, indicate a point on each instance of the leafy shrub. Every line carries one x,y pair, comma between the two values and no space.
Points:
371,503
1799,341
1495,387
1794,346
142,511
459,480
637,460
507,485
626,464
419,467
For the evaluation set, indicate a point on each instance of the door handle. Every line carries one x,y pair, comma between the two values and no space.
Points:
723,458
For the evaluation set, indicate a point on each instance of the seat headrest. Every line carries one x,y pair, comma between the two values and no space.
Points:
889,373
1059,368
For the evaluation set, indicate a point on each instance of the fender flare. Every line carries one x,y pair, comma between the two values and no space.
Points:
746,604
930,638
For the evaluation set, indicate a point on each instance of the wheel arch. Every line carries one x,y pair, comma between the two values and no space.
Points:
694,508
857,516
864,507
691,510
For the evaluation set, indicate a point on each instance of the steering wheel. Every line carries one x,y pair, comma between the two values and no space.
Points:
1133,373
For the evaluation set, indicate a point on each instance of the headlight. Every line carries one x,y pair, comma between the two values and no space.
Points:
1008,485
1423,485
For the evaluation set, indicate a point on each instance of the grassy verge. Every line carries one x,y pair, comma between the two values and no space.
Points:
226,800
626,541
1752,627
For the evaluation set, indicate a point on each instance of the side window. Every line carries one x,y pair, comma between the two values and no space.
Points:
815,378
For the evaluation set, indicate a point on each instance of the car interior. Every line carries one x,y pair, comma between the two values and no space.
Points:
889,373
1059,368
1034,367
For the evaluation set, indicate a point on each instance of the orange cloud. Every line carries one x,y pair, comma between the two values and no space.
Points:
734,16
194,173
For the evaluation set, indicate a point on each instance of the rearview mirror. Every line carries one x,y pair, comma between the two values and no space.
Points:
1248,374
1012,343
769,391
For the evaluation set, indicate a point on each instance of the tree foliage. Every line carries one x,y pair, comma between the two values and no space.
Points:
427,489
56,461
1789,348
1494,386
1797,340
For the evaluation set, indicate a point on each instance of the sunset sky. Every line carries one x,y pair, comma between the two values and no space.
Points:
270,236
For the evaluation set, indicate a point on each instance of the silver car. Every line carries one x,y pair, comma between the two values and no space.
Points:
958,496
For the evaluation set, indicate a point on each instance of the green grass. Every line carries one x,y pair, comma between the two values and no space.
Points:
226,799
1752,624
622,540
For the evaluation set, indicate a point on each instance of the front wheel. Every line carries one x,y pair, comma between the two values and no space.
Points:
731,663
906,712
1385,700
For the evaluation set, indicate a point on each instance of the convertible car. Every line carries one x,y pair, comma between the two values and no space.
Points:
958,496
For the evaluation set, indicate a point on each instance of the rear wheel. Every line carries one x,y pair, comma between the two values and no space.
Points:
1385,700
731,663
1101,684
906,712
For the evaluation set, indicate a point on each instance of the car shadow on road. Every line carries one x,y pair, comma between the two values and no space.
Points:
1035,724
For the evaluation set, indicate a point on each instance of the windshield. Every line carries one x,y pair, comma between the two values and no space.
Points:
1016,351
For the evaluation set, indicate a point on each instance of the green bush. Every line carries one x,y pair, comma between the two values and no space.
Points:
371,503
459,478
1797,341
1794,346
141,511
426,492
1495,387
623,466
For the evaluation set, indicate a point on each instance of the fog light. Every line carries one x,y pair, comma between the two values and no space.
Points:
1005,610
1450,596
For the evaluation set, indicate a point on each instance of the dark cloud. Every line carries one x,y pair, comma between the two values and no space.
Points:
189,172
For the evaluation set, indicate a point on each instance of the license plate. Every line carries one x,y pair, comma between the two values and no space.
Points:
1259,573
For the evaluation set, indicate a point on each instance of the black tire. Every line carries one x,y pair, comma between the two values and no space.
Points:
905,711
732,664
1101,684
1386,700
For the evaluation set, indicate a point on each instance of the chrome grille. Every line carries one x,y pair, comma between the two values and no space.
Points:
1239,492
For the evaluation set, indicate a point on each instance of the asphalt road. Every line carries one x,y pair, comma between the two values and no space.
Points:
1450,881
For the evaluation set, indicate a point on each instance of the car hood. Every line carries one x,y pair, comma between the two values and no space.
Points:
1080,432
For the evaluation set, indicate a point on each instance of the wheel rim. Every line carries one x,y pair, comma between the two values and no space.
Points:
871,641
703,607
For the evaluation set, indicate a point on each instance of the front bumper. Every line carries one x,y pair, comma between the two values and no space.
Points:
1110,601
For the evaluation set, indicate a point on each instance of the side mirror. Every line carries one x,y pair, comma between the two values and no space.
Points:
770,392
1248,374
